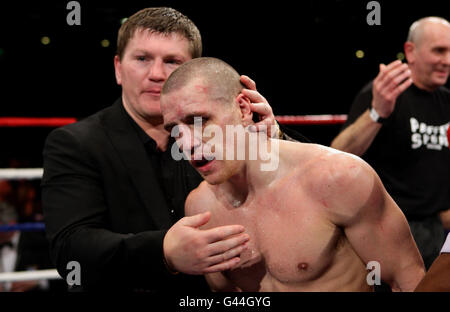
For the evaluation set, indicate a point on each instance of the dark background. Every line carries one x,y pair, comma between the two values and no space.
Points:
300,53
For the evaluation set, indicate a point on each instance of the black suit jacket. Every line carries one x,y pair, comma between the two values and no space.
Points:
104,207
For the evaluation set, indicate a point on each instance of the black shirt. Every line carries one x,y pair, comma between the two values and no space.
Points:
176,178
410,152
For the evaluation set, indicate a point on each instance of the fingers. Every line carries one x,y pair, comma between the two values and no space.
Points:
224,254
400,77
248,83
392,80
260,106
394,75
263,109
220,233
267,119
385,70
227,265
228,255
197,220
191,250
402,87
229,245
227,258
254,96
265,126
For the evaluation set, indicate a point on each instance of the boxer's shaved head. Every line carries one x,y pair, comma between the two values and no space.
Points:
222,80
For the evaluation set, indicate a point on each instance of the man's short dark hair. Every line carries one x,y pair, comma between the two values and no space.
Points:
160,20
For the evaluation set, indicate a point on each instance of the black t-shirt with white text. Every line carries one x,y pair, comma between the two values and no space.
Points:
410,153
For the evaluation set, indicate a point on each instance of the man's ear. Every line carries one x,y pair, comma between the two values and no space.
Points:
118,69
244,107
410,49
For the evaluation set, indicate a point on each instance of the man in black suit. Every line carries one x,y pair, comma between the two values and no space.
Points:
113,196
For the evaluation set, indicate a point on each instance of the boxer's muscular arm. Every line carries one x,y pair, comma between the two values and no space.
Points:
391,81
374,224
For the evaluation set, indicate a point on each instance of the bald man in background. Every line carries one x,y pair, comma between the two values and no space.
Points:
315,216
398,124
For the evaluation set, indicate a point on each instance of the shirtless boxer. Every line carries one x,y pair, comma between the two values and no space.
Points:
314,222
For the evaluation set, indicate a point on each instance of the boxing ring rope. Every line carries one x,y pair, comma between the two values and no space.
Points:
35,121
21,173
18,276
61,121
36,173
312,119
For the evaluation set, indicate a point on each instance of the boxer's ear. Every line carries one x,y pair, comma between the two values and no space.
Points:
245,109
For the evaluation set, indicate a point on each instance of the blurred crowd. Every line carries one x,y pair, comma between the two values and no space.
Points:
28,250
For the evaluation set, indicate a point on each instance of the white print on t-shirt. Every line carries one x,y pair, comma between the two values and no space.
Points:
432,137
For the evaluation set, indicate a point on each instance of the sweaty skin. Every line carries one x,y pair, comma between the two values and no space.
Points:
313,224
314,220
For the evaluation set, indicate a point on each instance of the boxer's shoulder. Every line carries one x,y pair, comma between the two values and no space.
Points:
322,162
200,200
338,180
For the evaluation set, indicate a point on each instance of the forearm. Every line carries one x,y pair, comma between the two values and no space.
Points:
357,137
407,279
111,260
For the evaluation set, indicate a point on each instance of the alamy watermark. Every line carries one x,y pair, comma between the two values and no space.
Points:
374,275
74,16
374,16
237,143
74,276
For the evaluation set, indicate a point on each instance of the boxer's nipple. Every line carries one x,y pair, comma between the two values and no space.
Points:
303,266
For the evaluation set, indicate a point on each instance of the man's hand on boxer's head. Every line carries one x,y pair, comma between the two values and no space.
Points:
190,250
391,81
259,105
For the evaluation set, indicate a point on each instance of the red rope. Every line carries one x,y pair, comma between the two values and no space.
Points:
448,136
35,121
312,119
58,122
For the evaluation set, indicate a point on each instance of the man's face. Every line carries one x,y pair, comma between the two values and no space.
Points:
148,60
431,57
180,108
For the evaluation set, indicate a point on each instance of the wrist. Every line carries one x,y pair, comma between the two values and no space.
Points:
167,263
169,267
375,116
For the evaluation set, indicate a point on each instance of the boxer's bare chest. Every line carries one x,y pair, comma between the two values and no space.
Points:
291,240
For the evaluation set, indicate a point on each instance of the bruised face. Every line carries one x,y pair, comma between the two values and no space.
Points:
148,60
199,124
429,59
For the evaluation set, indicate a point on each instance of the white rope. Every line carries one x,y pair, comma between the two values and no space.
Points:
29,275
21,173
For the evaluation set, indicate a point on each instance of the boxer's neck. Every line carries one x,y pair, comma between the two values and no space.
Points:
237,189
